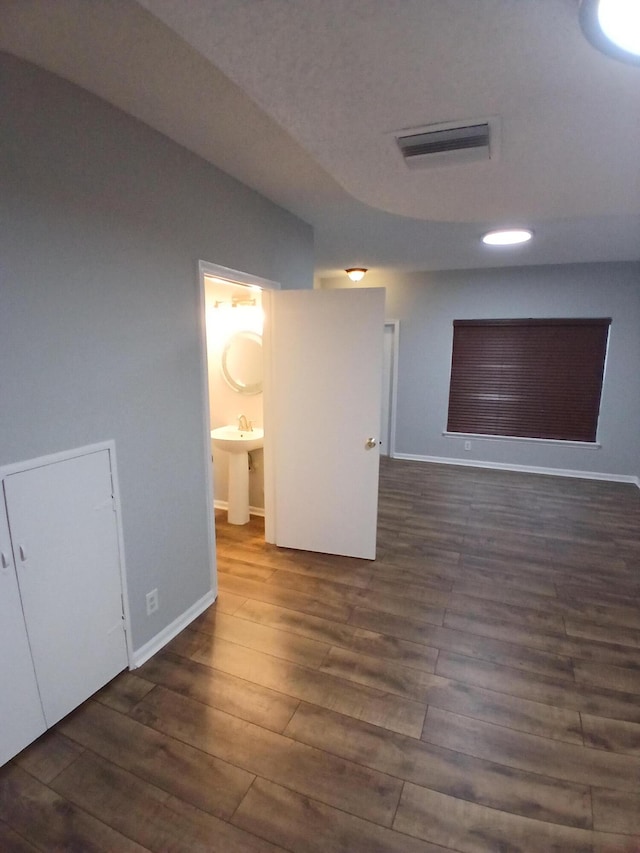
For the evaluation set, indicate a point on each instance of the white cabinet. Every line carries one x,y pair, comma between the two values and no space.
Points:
62,625
21,715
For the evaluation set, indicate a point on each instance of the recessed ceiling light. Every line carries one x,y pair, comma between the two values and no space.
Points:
613,27
507,237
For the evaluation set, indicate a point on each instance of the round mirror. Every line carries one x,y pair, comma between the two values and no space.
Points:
242,362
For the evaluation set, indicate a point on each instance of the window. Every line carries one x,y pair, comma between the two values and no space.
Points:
528,378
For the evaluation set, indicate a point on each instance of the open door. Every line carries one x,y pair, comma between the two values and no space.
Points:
323,365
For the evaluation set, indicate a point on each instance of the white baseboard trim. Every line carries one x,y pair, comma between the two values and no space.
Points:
167,634
253,510
525,469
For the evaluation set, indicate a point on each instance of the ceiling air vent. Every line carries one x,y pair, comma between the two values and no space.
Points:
446,145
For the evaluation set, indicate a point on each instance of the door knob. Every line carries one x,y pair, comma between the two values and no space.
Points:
370,443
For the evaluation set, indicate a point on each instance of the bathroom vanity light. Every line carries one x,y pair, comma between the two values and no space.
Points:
613,27
507,237
235,302
356,273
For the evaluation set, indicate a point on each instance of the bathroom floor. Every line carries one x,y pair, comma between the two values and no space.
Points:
475,689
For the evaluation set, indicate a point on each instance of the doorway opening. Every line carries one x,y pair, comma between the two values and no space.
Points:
231,308
322,383
389,388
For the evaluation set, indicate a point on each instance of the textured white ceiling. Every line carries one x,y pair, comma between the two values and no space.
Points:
300,98
341,76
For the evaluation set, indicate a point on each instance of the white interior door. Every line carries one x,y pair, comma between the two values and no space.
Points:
322,418
65,546
22,720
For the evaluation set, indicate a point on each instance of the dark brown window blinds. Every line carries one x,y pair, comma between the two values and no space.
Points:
527,378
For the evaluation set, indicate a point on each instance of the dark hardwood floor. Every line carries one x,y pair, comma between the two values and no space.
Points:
475,689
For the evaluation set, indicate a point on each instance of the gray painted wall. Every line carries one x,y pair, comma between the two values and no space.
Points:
426,305
102,224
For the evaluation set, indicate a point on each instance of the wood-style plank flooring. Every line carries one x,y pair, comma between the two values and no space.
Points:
475,689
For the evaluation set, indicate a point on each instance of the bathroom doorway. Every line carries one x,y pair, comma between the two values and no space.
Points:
322,383
233,316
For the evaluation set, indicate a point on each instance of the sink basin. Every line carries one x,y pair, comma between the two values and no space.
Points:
233,440
238,443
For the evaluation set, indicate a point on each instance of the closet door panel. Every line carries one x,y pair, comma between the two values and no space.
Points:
21,717
65,544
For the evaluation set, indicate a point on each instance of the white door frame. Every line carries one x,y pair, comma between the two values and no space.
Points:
232,277
393,384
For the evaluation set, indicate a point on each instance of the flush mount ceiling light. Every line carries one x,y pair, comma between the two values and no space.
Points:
507,237
356,273
613,27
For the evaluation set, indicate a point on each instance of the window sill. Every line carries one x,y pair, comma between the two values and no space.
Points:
585,445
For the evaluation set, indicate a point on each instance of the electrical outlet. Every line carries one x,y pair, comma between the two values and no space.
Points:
467,445
152,602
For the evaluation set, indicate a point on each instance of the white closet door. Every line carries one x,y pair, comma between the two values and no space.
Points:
21,717
65,545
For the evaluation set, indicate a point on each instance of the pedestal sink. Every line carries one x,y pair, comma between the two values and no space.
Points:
237,443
